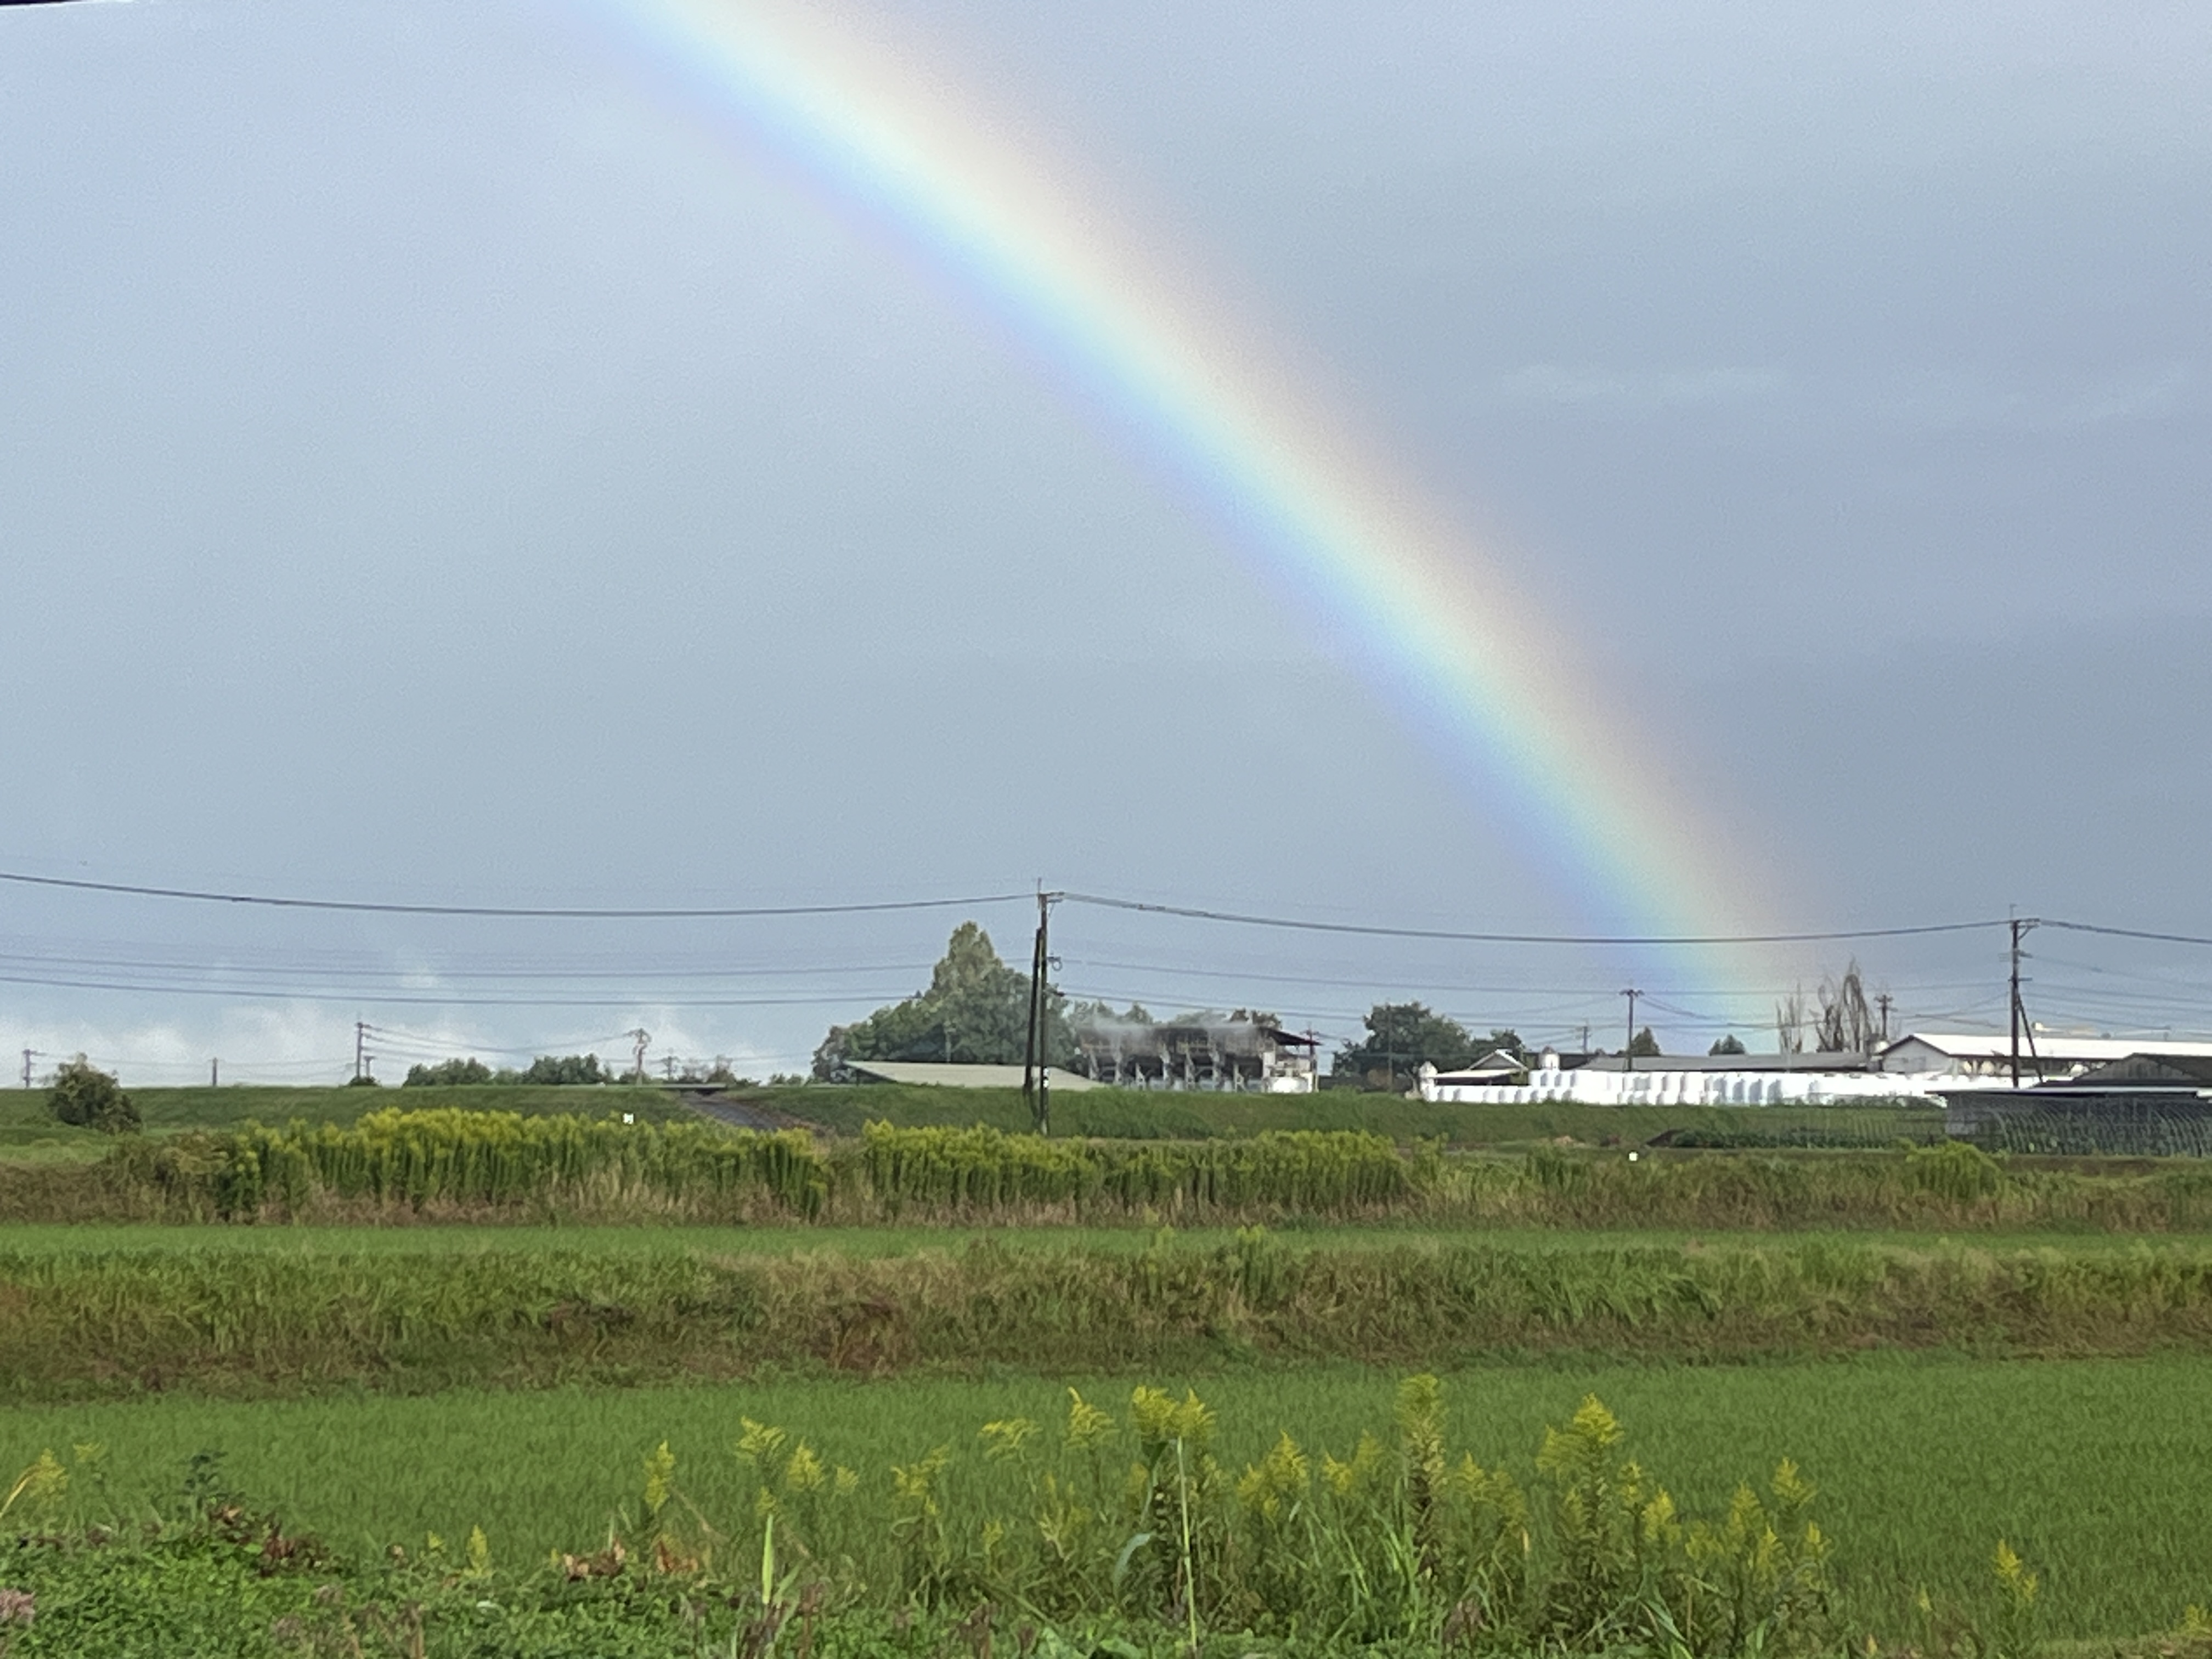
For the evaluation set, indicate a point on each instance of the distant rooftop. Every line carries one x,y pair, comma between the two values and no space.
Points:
940,1075
1840,1061
2049,1046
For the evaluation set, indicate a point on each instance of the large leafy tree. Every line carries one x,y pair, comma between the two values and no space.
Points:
1399,1035
974,1012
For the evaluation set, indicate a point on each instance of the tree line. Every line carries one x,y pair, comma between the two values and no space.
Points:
546,1068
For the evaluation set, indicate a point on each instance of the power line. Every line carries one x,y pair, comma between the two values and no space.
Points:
380,999
2125,933
1100,900
422,1039
564,912
1366,930
358,972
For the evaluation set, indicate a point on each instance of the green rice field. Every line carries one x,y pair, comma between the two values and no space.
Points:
2094,1470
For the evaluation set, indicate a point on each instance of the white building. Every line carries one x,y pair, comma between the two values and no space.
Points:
1668,1086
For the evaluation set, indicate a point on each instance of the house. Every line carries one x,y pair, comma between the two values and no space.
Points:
1211,1054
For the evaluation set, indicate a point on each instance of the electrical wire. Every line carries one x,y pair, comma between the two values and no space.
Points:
2124,933
1370,931
1101,900
531,912
380,999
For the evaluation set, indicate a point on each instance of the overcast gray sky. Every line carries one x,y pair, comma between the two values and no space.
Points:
438,463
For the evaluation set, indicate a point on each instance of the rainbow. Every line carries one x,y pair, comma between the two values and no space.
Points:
1434,621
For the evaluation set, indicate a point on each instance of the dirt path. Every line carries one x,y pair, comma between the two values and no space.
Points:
740,1113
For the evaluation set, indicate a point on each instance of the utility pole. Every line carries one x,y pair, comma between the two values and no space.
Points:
638,1039
1882,1002
668,1067
2019,930
1036,1087
1628,1050
360,1044
27,1068
214,1074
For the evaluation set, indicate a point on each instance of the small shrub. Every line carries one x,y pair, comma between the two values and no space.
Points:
89,1097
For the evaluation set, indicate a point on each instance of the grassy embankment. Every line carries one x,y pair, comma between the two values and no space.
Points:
1144,1115
27,1129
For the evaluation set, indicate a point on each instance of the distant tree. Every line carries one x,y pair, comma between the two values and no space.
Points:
1643,1045
366,1080
1399,1037
90,1098
448,1073
1790,1023
974,1012
1845,1023
565,1069
1727,1045
1506,1042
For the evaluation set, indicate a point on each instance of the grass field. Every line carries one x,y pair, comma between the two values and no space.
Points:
2092,1469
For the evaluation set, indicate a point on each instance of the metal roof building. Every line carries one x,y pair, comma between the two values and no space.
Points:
1986,1053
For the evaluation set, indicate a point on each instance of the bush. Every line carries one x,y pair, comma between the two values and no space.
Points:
89,1097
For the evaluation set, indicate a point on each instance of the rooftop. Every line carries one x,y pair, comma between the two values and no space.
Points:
956,1075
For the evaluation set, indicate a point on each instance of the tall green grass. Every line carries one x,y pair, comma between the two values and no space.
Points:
448,1163
272,1322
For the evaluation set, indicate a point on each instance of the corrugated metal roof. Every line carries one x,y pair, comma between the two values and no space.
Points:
1997,1045
939,1074
1799,1062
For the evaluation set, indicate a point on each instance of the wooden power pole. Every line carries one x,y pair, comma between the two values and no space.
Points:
1036,1085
